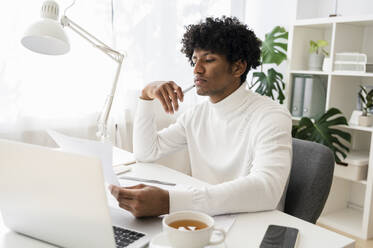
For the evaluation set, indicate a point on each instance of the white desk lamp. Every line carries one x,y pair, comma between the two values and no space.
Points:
48,37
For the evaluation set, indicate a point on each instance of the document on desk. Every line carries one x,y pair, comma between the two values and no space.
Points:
122,157
101,150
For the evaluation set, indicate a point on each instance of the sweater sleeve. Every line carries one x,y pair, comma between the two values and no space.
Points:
261,189
149,144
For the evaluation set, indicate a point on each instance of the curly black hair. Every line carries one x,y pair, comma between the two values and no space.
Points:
225,36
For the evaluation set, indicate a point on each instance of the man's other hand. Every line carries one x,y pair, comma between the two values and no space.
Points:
142,200
167,92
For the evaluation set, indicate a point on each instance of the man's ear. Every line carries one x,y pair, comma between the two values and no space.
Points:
238,68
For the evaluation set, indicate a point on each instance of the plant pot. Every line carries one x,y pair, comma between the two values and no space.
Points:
366,121
315,62
326,64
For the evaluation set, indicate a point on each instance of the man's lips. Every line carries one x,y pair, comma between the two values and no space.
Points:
199,81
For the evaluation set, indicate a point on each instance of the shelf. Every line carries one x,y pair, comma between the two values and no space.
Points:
357,127
334,73
314,23
352,73
346,220
363,182
363,22
309,72
350,126
324,22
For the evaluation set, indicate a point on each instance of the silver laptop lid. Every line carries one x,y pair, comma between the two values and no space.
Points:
54,196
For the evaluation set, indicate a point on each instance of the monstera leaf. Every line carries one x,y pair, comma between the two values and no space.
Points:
273,51
270,83
321,131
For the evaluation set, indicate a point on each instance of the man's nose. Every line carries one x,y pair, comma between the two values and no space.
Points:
198,68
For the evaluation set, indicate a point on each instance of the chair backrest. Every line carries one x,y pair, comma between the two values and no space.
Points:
310,180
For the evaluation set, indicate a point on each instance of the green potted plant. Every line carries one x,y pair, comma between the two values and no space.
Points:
317,54
321,130
366,103
273,51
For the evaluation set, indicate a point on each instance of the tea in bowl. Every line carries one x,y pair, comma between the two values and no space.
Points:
190,229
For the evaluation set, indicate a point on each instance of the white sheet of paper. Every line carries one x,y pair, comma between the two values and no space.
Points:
121,156
103,151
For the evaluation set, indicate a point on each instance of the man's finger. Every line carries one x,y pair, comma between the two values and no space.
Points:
125,206
138,186
167,99
128,194
123,193
114,190
160,97
178,90
173,96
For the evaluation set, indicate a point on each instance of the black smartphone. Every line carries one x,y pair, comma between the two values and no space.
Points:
280,237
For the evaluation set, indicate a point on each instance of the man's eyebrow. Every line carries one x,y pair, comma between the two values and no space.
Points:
205,54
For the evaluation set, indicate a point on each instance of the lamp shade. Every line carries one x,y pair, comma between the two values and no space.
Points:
47,36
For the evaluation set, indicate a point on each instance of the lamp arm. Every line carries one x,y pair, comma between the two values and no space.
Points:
67,22
115,55
104,115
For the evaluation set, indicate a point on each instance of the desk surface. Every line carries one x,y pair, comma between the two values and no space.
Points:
247,231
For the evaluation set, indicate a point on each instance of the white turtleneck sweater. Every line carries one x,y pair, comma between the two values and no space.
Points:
241,146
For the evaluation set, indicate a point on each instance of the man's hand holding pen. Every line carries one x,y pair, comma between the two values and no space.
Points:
167,92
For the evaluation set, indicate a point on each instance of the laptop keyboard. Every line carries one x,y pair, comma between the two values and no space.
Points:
124,237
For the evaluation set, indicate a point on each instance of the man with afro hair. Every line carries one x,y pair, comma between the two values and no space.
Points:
238,141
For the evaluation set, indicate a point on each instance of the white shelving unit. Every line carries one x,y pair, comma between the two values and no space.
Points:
350,204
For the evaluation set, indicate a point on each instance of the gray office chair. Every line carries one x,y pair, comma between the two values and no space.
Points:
310,180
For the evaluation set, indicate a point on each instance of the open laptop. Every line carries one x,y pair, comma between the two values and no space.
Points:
59,198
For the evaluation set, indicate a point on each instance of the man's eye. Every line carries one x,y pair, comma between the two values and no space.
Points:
210,60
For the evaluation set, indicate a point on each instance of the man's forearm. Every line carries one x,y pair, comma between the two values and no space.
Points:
144,132
247,194
149,144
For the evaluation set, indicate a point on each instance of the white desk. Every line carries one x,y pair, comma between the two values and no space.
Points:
247,231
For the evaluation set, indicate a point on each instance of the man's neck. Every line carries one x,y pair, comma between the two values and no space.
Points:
216,99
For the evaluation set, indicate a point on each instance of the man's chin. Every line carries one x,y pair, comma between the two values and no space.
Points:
201,92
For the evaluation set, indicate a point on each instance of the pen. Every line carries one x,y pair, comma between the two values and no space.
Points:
146,180
188,88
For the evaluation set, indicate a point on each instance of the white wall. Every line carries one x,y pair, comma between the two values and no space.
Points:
262,16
